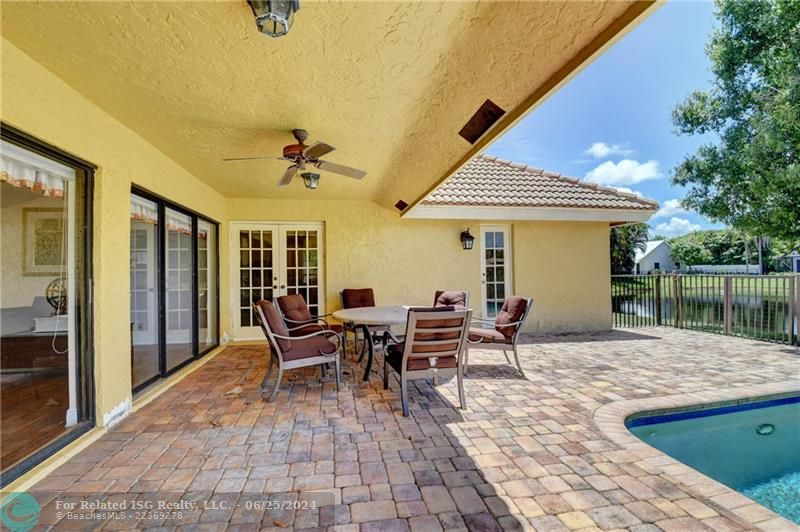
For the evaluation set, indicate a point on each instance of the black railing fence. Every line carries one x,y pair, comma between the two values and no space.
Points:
762,307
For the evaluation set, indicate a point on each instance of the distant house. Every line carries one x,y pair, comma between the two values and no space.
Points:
657,255
792,260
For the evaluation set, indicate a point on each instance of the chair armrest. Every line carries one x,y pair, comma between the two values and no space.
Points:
513,324
313,323
389,335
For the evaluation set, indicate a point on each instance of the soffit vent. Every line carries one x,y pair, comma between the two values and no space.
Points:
400,205
483,119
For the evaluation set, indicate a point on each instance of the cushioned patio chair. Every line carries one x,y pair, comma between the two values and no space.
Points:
359,298
298,317
433,347
292,352
451,298
503,332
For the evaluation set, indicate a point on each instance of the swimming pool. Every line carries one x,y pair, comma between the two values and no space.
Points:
752,447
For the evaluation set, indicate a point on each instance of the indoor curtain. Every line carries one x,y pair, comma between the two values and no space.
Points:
23,168
147,212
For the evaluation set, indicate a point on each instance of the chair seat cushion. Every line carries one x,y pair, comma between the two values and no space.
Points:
394,357
487,336
309,347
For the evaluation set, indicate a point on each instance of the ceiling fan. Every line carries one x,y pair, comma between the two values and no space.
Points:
303,156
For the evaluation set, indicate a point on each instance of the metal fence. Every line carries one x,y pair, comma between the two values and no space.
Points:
762,307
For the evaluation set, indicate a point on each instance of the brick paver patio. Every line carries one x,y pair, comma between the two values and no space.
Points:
526,454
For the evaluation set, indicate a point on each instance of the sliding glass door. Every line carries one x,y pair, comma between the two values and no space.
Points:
206,285
145,335
45,361
174,312
179,266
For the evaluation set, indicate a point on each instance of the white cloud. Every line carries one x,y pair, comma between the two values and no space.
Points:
625,172
676,227
671,207
629,191
599,150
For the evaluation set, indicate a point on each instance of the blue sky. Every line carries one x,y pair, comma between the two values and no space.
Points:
612,122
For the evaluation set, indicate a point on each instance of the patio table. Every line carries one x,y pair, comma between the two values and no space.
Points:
364,317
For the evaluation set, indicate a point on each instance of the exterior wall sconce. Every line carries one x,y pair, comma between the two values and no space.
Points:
467,240
311,180
274,17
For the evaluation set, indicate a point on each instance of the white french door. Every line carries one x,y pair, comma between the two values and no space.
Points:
269,260
496,274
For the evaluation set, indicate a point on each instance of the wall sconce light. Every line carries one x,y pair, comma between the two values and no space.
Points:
467,240
274,17
311,180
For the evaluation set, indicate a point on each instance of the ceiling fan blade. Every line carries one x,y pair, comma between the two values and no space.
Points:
251,158
341,169
288,176
317,150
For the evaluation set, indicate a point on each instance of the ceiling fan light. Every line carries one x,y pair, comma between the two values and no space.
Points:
310,179
274,17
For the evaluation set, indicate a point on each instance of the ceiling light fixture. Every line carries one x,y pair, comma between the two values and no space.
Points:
310,179
274,17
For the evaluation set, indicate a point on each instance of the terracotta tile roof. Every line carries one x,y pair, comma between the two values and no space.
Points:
487,181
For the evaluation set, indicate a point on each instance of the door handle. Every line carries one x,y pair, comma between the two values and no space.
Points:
283,286
274,287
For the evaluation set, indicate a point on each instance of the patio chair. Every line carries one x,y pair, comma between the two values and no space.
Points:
505,332
358,298
294,352
298,317
451,298
434,341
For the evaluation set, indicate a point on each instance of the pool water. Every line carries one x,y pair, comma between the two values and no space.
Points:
753,447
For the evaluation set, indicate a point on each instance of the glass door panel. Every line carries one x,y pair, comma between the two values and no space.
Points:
144,291
206,285
256,272
495,268
302,266
179,266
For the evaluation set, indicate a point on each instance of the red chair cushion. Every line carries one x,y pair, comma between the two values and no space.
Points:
358,297
309,347
487,336
307,329
275,323
294,307
512,311
395,359
450,298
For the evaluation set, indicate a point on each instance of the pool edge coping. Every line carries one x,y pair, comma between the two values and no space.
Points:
610,419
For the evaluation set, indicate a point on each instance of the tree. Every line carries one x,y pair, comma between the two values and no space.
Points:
689,252
625,240
749,177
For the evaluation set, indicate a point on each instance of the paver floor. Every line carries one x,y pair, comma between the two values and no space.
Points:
525,454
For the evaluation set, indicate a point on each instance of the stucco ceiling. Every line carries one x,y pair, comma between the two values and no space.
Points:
388,84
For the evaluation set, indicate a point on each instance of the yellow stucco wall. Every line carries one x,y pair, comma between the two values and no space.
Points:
405,261
36,101
564,266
